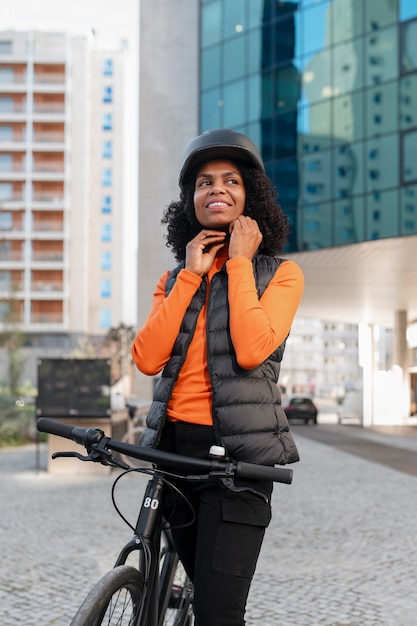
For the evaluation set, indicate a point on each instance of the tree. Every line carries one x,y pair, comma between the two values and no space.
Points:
117,349
12,339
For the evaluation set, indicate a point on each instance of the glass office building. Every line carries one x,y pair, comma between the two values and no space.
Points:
328,90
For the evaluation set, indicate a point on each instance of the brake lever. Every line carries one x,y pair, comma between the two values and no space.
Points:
77,455
95,457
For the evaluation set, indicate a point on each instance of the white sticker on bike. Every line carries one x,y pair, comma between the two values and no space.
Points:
151,503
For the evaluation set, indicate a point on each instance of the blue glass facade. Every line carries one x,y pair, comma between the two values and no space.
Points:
328,91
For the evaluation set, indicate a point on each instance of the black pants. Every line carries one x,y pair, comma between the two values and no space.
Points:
220,549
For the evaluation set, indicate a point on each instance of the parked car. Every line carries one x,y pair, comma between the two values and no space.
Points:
301,408
351,409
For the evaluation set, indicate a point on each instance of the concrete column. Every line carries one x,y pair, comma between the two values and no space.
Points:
401,359
401,348
366,361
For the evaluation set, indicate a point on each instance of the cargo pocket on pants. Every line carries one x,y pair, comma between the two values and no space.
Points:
240,534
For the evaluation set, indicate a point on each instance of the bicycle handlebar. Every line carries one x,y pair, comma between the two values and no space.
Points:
87,437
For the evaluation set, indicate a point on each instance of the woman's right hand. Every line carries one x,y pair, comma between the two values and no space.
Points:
201,251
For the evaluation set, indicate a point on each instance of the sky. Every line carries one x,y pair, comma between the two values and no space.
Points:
112,21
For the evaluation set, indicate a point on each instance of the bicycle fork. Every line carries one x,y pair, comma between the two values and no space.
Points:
146,541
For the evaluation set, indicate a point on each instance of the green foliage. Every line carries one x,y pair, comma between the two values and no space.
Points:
13,339
17,420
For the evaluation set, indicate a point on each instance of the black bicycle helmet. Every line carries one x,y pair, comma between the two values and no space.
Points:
217,144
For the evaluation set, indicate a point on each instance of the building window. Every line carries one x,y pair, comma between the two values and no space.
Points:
106,233
106,204
105,318
6,162
6,221
5,46
347,234
4,311
315,188
5,281
106,177
105,288
106,261
107,121
409,156
6,191
313,166
107,149
107,94
6,133
108,67
6,75
6,104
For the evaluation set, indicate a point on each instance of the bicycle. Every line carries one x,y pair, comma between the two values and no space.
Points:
148,595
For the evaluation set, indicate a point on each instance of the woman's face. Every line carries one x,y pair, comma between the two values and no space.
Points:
219,194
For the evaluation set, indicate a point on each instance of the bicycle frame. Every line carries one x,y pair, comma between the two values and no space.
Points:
153,581
147,540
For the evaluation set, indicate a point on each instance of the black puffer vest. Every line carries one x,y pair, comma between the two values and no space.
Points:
248,419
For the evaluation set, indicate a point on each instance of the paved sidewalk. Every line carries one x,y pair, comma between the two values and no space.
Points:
341,549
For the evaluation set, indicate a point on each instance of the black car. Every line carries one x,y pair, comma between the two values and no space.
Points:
301,408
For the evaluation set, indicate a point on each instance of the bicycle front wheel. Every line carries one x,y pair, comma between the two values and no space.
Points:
114,600
176,591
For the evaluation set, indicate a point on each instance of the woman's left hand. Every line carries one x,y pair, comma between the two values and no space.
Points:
245,237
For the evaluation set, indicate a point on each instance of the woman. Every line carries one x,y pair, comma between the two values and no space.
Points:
217,331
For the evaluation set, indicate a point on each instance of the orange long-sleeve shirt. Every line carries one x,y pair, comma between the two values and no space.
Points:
257,328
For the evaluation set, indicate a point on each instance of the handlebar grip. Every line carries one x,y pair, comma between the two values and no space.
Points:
84,436
264,472
46,425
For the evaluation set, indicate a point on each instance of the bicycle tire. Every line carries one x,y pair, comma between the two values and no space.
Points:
115,599
179,611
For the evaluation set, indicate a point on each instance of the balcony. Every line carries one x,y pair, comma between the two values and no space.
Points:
12,140
12,79
47,256
47,318
47,286
49,167
10,168
49,82
49,78
6,322
48,226
11,256
12,111
12,171
53,138
49,108
15,200
55,198
16,228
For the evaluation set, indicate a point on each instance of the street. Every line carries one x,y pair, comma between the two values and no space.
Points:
340,550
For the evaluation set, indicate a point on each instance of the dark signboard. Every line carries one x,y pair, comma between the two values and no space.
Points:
73,387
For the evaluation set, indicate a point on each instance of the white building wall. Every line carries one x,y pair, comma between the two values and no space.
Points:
168,119
77,192
115,164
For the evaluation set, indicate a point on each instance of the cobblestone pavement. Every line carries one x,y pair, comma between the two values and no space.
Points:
341,549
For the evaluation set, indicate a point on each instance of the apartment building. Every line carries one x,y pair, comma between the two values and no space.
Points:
61,190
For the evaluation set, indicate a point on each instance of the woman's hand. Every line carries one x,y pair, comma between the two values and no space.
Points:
201,251
245,237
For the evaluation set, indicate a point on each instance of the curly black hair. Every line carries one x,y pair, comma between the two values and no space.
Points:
261,204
